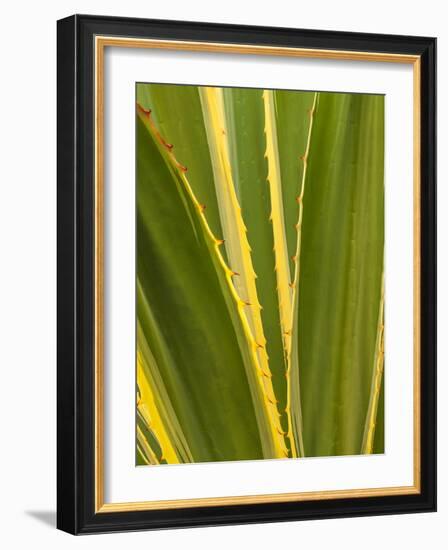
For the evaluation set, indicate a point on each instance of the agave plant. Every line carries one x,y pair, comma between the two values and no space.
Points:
260,299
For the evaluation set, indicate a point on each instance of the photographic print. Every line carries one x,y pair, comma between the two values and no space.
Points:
233,296
260,268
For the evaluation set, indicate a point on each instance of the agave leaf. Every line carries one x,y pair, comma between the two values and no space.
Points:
293,119
282,260
378,443
239,254
341,270
187,294
177,113
147,446
154,404
285,282
141,456
294,404
247,145
368,440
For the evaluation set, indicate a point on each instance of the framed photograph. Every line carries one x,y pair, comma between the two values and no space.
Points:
246,274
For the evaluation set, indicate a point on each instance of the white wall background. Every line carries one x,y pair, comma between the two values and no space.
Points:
28,272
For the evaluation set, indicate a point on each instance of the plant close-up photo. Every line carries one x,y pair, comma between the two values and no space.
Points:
260,267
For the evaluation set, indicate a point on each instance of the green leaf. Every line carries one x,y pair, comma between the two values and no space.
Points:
341,270
368,441
378,444
188,313
177,113
245,126
293,120
154,408
294,402
240,258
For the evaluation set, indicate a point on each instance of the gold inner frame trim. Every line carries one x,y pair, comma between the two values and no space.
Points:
101,42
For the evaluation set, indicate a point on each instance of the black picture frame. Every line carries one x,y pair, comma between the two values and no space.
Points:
76,512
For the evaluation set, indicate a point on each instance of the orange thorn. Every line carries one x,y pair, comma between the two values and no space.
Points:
299,199
202,207
292,285
294,258
146,112
219,242
235,273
